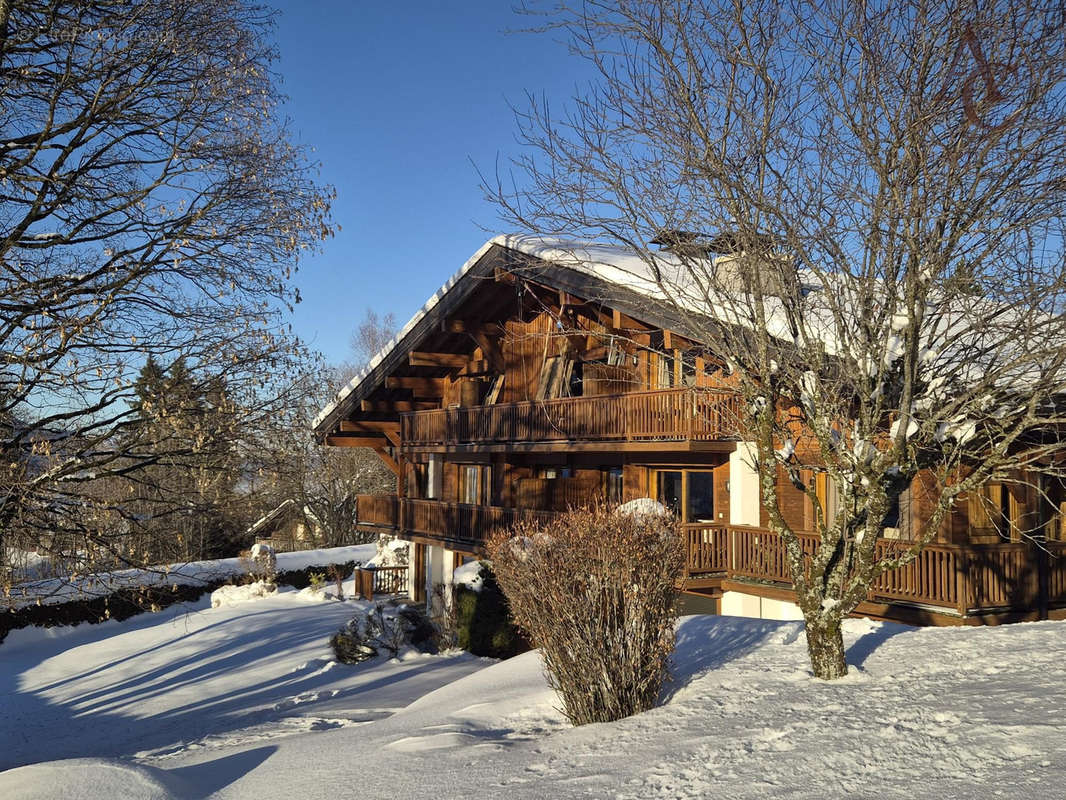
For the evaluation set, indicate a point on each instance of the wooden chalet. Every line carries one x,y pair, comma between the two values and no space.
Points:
541,376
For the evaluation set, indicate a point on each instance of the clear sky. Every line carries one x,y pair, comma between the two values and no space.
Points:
398,98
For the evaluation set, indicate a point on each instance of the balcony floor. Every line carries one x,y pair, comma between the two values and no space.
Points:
607,446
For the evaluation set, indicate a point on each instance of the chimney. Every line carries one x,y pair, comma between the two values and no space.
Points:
730,255
687,244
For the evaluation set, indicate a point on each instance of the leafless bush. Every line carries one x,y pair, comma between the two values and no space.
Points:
444,618
595,591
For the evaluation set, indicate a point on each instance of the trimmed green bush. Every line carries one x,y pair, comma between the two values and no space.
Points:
483,620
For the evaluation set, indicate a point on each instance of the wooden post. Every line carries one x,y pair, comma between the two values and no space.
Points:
418,591
1038,551
964,584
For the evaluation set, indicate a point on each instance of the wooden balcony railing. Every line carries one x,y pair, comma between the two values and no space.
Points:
967,579
370,581
461,521
666,415
376,509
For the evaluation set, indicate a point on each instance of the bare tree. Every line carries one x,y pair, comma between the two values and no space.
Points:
368,339
151,204
887,283
327,480
335,476
372,334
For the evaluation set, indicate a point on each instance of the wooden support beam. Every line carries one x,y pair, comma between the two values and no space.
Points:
629,328
597,353
390,462
447,360
500,275
458,326
342,440
491,348
393,436
420,387
396,406
370,427
477,366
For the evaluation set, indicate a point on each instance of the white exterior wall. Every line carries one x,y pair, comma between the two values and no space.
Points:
738,604
434,478
744,502
448,574
434,570
413,579
440,569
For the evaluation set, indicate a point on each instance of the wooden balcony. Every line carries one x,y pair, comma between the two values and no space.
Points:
376,509
635,419
966,579
467,525
459,523
956,579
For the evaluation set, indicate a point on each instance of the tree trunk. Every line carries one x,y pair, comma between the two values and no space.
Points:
825,644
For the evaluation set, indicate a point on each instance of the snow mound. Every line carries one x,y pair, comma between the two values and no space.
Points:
235,595
91,777
262,549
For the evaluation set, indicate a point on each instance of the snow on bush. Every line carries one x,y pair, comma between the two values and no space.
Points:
384,629
235,595
469,576
642,505
391,552
264,560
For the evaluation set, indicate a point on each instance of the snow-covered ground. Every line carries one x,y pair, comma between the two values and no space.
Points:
243,701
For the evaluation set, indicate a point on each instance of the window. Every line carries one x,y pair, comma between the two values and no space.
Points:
688,368
550,473
666,370
475,484
688,493
612,485
897,524
700,505
671,489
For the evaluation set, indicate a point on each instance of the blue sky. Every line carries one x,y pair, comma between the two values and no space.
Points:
398,98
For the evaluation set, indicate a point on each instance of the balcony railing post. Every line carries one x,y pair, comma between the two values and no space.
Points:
964,584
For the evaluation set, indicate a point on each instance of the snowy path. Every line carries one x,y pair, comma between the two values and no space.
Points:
946,713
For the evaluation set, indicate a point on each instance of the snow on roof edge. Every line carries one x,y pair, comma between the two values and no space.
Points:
419,315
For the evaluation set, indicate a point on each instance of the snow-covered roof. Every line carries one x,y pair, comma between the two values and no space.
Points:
957,338
283,506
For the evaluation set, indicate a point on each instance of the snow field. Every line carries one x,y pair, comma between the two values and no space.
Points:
245,701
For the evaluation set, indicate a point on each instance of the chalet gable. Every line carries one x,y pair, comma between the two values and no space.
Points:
454,350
